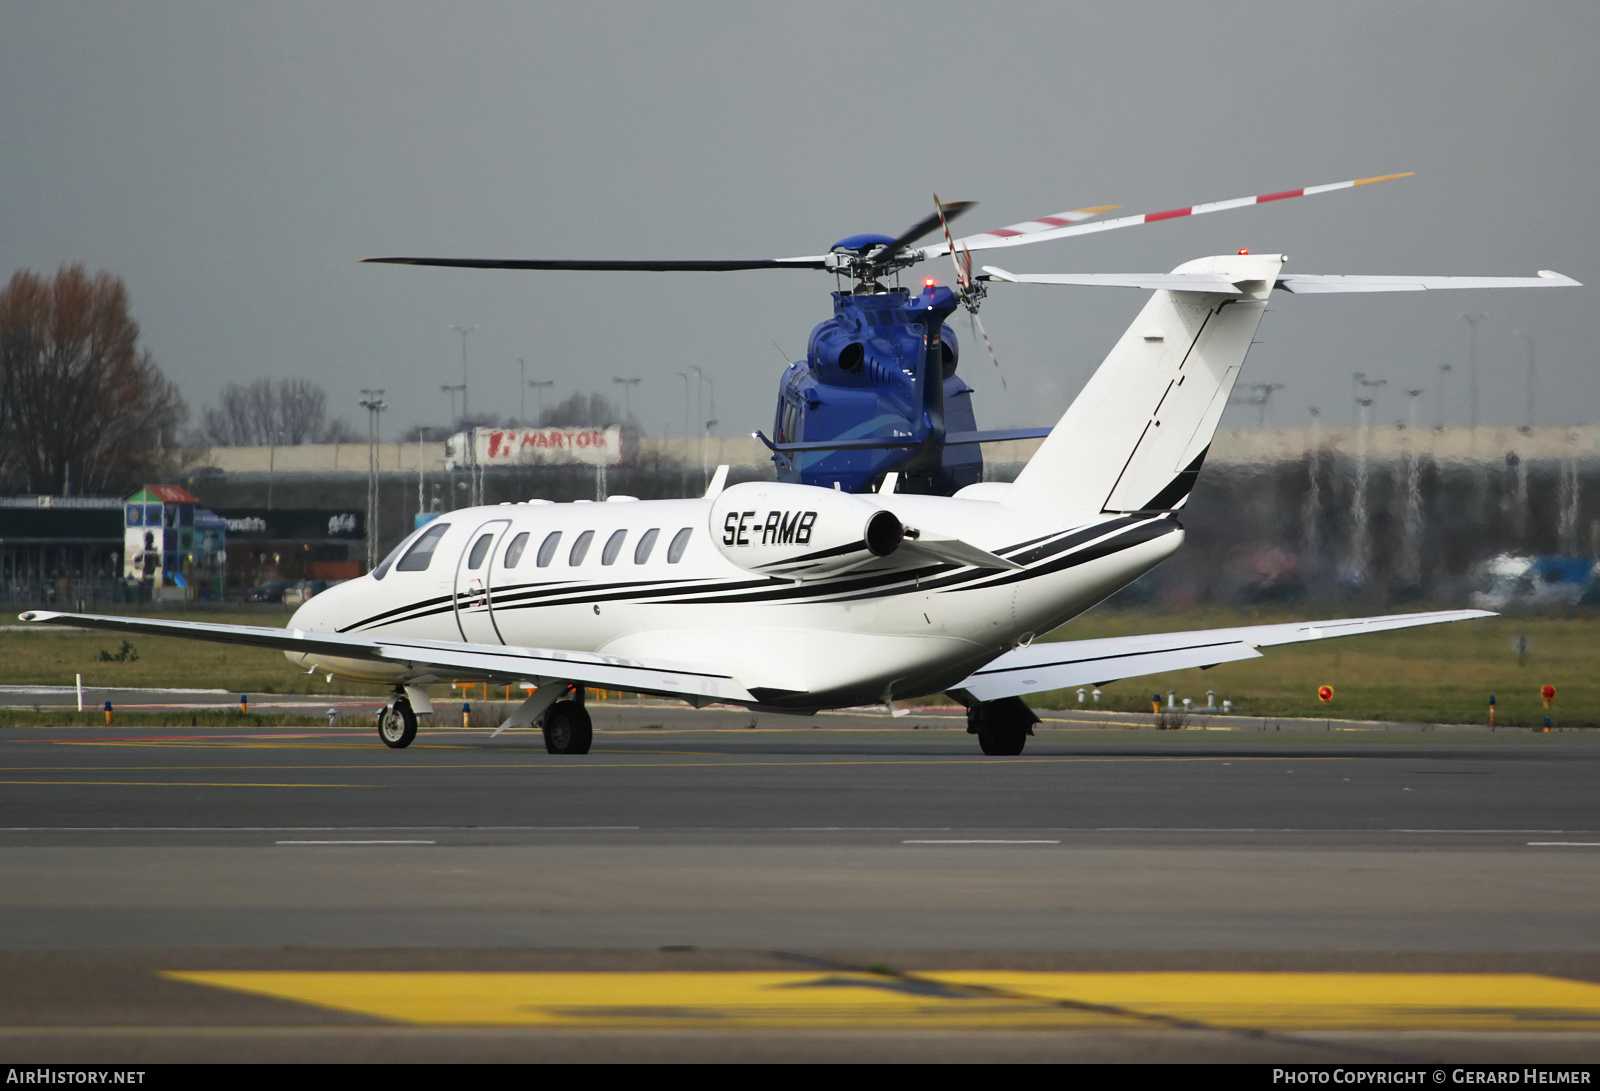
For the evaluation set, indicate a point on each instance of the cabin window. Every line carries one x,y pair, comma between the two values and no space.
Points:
580,548
680,542
480,550
613,547
514,550
641,552
547,549
421,551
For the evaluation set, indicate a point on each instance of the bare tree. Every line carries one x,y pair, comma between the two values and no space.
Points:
286,413
581,410
82,407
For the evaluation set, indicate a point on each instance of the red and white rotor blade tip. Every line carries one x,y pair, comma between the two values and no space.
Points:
1026,229
992,239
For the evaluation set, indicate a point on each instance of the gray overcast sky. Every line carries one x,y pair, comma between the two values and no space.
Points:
232,162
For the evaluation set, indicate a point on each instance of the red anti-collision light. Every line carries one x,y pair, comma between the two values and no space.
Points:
929,283
1242,253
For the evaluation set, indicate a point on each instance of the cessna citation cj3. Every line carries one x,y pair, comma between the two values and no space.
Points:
797,598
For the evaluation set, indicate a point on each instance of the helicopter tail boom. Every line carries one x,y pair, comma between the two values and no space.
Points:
1136,435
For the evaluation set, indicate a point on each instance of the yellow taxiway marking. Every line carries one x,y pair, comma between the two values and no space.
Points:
562,762
965,998
228,744
177,784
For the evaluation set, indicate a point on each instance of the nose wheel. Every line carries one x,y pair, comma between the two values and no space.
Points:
397,724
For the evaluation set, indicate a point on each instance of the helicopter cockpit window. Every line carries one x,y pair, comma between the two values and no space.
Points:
608,555
680,542
647,542
580,548
421,552
547,548
480,550
514,550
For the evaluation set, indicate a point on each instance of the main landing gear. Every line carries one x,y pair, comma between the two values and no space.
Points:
567,728
397,723
1002,726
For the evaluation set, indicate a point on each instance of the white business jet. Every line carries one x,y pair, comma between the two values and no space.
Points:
794,598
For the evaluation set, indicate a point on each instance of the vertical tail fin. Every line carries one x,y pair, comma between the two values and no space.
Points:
1136,435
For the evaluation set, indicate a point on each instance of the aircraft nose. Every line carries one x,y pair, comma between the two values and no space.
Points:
319,613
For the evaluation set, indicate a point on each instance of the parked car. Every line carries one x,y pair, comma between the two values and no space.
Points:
297,593
270,591
1538,582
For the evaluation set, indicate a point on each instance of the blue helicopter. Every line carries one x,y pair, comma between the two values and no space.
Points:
878,391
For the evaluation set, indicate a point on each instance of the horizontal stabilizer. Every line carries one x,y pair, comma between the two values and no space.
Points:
874,444
994,435
1038,668
1318,284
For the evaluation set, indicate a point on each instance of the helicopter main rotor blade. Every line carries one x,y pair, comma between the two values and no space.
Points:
992,239
610,266
922,227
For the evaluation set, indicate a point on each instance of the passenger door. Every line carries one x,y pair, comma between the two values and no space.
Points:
475,575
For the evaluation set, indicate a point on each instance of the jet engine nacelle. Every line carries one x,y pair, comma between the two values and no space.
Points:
800,532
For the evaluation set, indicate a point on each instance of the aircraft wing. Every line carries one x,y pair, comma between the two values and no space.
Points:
441,658
1059,665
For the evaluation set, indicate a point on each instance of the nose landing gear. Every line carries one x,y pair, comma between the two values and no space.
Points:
397,724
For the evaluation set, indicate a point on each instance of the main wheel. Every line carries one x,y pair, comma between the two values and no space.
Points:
1002,740
397,724
567,729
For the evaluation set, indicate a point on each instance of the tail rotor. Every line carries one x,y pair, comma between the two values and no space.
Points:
970,290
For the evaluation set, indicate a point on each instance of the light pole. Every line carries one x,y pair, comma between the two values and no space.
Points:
1411,557
1527,339
1264,392
1359,547
450,389
472,446
272,458
522,393
683,473
627,399
372,402
539,387
1313,510
1444,376
1370,385
705,478
463,331
711,421
1472,318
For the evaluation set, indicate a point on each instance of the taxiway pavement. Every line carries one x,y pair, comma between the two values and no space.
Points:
865,846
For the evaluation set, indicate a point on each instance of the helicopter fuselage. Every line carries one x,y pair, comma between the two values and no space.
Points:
879,377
